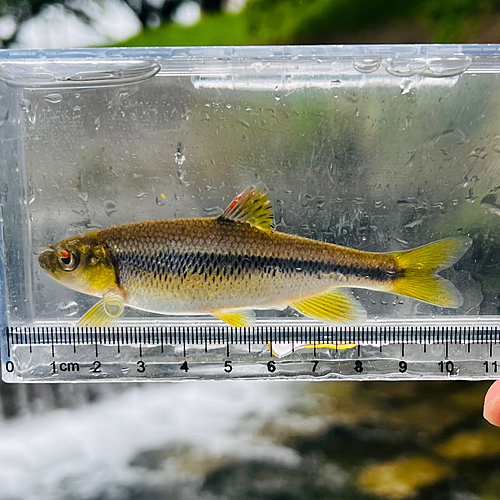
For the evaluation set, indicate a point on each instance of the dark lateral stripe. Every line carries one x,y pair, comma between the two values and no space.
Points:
182,264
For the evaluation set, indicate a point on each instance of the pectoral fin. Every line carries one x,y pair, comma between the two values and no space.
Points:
113,303
237,317
105,312
333,306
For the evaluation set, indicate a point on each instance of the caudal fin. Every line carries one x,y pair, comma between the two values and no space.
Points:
417,272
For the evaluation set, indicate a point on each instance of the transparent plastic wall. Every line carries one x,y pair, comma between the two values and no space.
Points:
377,148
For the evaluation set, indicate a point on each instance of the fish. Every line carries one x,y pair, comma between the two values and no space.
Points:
231,265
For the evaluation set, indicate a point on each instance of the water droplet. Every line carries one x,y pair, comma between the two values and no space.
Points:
490,203
4,115
401,242
447,66
84,197
439,205
29,109
110,207
4,190
161,200
25,105
367,64
213,211
471,197
141,195
412,224
53,98
406,86
478,153
31,195
243,122
68,309
400,66
181,176
413,203
258,67
179,156
97,123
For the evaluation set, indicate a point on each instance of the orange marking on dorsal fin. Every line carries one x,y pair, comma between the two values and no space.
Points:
254,207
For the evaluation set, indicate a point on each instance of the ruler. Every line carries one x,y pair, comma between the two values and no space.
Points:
457,350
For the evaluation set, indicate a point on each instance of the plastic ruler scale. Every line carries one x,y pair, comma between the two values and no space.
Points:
458,349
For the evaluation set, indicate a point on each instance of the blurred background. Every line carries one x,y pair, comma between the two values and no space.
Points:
255,440
77,23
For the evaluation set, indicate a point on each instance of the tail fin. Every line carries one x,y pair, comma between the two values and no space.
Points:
418,268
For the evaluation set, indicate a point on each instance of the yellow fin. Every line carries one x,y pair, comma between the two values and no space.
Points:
237,317
252,206
433,256
417,270
96,317
280,350
333,306
105,312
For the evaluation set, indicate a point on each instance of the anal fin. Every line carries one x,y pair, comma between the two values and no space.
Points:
332,306
236,317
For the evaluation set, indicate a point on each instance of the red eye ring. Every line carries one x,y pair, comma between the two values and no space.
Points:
67,260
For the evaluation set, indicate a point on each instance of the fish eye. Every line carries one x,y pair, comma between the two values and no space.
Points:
68,260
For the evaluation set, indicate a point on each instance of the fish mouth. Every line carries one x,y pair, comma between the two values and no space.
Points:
45,260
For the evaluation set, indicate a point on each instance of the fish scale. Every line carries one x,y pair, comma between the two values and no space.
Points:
193,263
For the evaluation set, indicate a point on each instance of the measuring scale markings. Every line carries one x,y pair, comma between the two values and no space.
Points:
57,354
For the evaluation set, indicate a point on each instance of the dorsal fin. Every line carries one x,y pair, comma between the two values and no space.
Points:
252,206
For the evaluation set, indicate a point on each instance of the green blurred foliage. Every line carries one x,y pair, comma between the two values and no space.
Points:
325,21
457,20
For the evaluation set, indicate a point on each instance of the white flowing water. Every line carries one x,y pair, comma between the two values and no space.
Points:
85,452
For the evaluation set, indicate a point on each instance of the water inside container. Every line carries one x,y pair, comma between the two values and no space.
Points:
373,149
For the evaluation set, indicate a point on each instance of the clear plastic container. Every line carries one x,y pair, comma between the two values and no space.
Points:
379,148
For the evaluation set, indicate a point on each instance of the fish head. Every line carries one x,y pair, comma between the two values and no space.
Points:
81,263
